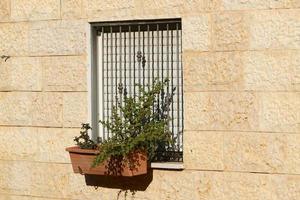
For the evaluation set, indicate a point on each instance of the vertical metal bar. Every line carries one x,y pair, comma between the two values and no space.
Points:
182,99
153,63
172,78
125,60
162,55
130,80
178,89
103,92
139,49
134,64
112,71
143,57
157,30
120,63
107,83
148,52
116,69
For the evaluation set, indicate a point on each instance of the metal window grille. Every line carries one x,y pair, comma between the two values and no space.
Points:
130,53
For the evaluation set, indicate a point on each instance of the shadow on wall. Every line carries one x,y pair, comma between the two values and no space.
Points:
135,183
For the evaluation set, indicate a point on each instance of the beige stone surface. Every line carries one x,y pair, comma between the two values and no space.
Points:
276,29
285,187
98,10
22,197
4,10
65,73
31,109
279,112
21,73
293,154
203,150
14,38
58,181
73,9
66,37
295,3
18,143
196,34
255,4
175,7
221,111
230,31
15,108
244,186
47,109
213,71
271,70
36,144
256,152
35,10
75,108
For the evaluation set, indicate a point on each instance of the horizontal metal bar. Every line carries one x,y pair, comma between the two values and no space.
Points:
135,22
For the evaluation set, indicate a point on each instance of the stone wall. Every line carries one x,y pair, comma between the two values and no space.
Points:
241,92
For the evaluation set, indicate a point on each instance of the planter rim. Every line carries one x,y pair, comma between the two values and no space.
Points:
77,149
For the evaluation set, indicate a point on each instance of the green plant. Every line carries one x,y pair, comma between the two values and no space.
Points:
84,141
137,123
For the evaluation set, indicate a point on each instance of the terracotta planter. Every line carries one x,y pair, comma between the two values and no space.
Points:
82,160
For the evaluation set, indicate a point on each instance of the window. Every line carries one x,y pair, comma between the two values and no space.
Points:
129,53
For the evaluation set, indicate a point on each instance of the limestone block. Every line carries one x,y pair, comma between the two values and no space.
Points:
52,143
285,187
213,71
271,70
34,109
4,10
230,31
75,109
196,32
275,29
21,197
171,8
254,4
295,59
58,37
98,10
245,186
200,6
279,112
73,9
203,150
14,38
255,152
295,3
65,73
293,154
47,109
221,111
15,108
36,144
49,179
18,143
35,10
20,73
15,177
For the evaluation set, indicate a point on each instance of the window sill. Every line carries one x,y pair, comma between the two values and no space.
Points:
167,165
